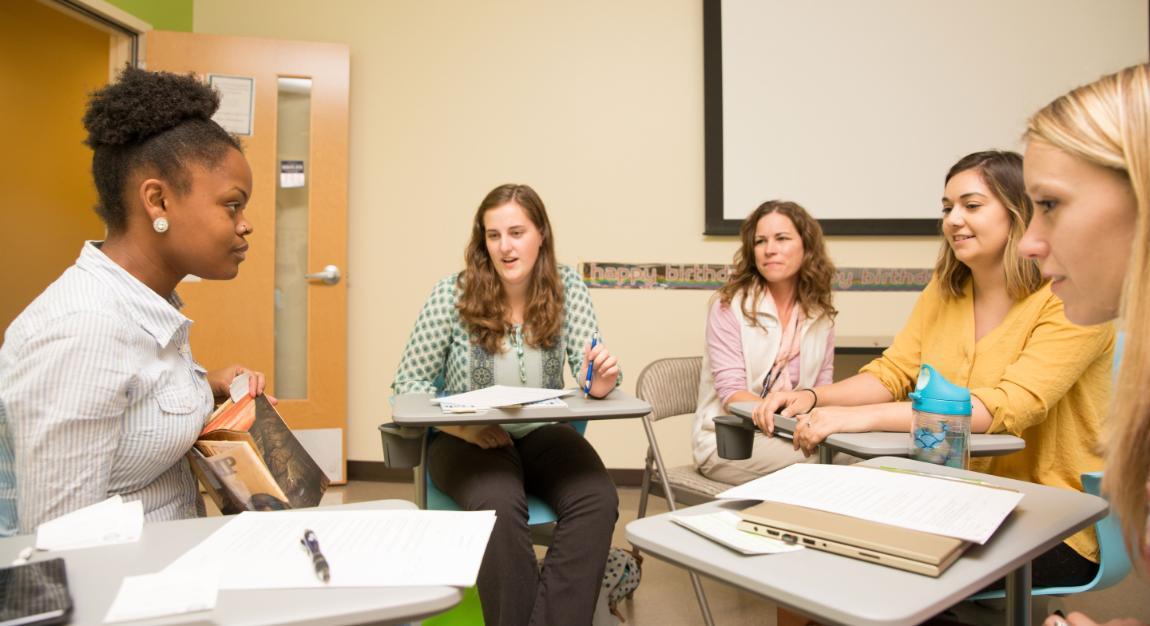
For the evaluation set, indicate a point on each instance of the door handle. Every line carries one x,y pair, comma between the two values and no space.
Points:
330,275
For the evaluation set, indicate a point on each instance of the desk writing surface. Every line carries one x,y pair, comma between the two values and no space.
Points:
94,576
870,445
416,409
841,590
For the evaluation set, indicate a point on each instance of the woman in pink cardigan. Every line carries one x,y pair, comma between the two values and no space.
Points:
769,328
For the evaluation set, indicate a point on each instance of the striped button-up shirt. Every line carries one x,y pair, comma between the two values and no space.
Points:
99,395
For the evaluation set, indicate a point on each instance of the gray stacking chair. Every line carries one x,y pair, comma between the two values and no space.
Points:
671,387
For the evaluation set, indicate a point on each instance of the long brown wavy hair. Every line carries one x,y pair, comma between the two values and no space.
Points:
483,303
1002,172
816,274
1107,123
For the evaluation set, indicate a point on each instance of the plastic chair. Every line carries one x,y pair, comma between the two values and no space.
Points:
671,387
1113,561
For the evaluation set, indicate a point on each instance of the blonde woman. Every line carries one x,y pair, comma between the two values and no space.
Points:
989,322
1088,172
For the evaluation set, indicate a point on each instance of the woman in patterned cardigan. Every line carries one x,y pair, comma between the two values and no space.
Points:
512,317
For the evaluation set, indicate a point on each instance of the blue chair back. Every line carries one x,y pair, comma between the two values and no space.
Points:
1113,561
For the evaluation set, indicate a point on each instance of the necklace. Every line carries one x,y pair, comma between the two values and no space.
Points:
517,343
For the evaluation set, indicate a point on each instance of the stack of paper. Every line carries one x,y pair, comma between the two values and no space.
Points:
108,522
943,505
723,527
364,548
499,396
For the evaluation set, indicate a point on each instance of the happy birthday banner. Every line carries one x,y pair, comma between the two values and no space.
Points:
713,276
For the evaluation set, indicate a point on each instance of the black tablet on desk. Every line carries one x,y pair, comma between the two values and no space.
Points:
34,593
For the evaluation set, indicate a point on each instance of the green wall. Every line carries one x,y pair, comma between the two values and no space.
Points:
161,14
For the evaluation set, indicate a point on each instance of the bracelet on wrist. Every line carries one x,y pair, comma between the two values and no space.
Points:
816,401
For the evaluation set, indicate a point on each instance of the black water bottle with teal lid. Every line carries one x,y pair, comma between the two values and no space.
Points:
940,429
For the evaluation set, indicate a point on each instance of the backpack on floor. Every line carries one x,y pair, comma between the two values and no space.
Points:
620,578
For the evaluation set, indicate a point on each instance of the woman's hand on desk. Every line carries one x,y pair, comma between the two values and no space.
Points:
786,403
221,381
486,436
604,374
813,428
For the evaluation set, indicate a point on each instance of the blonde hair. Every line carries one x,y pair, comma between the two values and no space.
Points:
1002,173
1107,123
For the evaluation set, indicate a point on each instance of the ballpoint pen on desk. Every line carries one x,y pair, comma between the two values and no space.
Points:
590,363
311,544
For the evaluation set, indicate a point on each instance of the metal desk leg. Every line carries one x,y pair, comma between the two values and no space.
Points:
826,455
695,582
420,473
1018,596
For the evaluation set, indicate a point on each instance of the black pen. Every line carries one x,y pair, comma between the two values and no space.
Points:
311,544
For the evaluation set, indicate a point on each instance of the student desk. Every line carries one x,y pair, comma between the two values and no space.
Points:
416,409
840,590
94,576
870,445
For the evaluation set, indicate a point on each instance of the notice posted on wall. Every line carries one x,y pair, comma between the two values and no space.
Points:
291,174
237,102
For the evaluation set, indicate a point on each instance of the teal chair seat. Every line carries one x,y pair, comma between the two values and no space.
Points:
1113,561
538,511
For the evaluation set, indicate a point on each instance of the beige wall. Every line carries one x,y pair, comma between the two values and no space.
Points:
597,104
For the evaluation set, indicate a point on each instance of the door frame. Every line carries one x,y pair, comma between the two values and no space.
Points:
127,30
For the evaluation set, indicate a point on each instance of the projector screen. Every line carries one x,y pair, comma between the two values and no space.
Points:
856,110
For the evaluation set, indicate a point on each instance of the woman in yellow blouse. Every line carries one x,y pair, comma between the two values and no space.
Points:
989,322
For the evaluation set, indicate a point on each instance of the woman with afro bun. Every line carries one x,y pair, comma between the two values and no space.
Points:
99,393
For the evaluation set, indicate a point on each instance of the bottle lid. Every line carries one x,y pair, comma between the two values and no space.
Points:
935,394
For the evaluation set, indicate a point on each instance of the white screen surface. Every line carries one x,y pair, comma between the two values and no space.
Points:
856,110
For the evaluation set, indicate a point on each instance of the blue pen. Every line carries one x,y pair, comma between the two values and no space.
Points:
591,364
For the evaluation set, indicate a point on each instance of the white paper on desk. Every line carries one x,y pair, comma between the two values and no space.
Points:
502,396
723,527
261,550
944,507
108,522
156,595
456,407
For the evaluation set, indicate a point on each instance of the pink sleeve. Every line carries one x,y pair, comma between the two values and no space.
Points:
725,349
827,373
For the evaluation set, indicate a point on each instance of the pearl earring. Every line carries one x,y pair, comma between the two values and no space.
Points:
160,224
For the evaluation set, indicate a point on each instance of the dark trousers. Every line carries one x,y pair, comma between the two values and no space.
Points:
556,464
1059,566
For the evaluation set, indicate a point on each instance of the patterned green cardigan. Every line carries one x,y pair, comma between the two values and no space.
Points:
440,347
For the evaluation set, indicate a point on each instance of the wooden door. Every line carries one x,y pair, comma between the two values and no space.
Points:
236,321
51,61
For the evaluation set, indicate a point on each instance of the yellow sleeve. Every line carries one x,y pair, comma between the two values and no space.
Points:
1054,358
897,368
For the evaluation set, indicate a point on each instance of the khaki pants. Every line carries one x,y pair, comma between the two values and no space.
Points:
769,454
